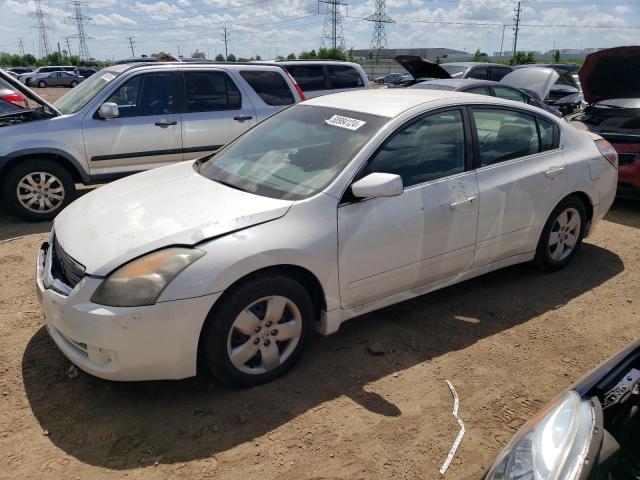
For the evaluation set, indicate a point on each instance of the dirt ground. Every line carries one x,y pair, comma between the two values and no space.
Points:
508,341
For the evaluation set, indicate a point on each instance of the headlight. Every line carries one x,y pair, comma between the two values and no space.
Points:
552,445
141,281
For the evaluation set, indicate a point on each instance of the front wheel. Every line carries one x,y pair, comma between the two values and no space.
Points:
37,190
258,331
73,84
42,84
562,235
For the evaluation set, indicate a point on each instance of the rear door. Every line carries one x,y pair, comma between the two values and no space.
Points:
214,111
271,91
146,133
479,73
521,176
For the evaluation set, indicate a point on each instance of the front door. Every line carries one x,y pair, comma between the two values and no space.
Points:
390,245
215,112
146,133
521,176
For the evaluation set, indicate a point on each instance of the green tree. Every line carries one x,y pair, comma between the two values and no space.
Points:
556,56
531,58
478,57
231,58
291,56
311,55
258,57
521,58
331,54
198,54
219,58
29,59
350,55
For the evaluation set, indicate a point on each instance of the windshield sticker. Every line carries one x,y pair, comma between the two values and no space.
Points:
345,122
107,77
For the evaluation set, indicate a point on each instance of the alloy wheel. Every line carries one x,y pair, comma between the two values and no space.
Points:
564,234
264,335
40,192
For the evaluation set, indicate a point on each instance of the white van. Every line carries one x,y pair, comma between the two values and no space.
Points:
322,77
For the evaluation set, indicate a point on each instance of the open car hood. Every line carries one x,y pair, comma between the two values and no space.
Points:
419,68
538,80
27,92
611,73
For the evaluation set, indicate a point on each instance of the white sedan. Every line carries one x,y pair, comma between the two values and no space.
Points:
333,208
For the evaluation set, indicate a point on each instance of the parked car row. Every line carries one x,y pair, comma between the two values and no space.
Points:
51,75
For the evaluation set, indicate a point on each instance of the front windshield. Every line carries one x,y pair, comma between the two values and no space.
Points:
295,153
456,71
78,97
432,86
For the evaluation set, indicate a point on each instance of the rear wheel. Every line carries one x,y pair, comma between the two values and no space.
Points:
73,84
258,331
42,84
37,190
562,235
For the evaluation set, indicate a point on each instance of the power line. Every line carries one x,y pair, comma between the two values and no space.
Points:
43,39
131,44
332,32
80,20
379,37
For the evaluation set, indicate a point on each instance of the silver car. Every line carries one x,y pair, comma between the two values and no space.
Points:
128,118
60,79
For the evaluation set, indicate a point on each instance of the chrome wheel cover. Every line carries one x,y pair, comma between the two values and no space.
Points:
564,234
264,335
40,192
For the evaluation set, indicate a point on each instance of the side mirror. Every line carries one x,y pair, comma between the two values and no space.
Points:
378,185
108,110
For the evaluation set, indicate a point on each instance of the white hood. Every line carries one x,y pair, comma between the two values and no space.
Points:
535,79
166,206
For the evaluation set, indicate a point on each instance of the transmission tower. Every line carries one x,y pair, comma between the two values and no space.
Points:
516,29
21,45
80,20
379,37
43,39
131,44
332,32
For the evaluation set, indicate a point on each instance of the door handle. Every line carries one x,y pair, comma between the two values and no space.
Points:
241,118
554,172
165,123
455,205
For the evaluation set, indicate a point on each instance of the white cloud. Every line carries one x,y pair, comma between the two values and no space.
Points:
622,9
113,19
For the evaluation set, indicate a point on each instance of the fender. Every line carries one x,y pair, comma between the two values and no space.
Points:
47,150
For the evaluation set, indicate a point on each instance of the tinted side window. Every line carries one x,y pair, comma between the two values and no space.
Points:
479,91
509,94
270,86
342,76
504,134
479,73
428,149
148,94
497,73
211,92
309,77
549,135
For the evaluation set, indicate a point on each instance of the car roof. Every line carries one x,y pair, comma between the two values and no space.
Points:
387,102
123,67
474,64
303,62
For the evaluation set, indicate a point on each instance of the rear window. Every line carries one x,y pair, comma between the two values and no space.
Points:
498,73
271,87
342,76
309,77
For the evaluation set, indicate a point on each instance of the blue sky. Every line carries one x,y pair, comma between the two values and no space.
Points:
268,26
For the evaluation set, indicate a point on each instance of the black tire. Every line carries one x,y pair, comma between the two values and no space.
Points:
544,259
216,331
42,84
73,84
35,166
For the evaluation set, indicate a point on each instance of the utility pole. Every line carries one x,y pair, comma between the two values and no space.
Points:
131,44
21,45
80,20
516,29
59,50
332,32
43,46
66,39
502,42
379,37
225,37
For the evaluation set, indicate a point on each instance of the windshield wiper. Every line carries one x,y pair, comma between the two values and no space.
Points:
230,185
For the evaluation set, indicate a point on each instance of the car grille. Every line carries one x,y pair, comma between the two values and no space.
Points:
626,158
64,267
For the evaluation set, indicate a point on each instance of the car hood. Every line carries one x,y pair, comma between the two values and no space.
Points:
166,206
27,92
535,79
420,68
611,73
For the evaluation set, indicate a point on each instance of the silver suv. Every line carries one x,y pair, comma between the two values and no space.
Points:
128,118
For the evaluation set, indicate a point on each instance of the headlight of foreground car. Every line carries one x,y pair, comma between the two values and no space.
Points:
141,281
552,445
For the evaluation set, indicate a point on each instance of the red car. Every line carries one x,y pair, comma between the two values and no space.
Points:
610,85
